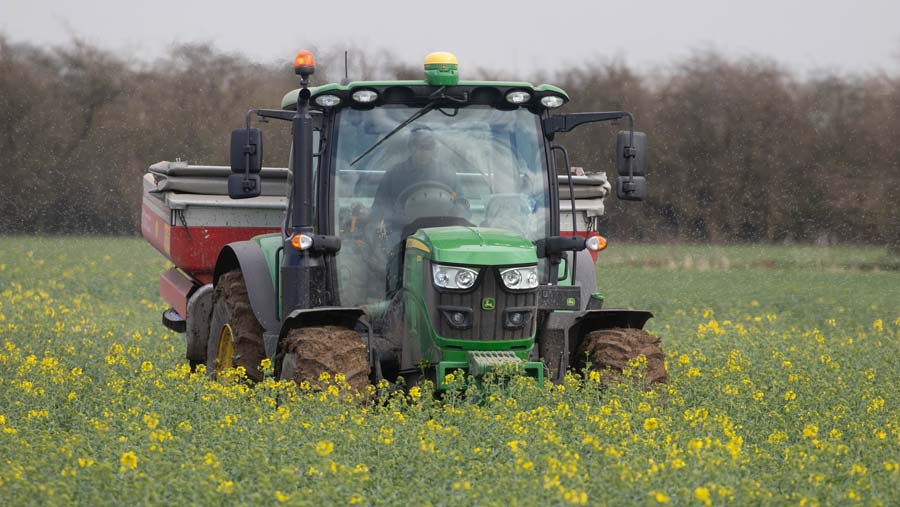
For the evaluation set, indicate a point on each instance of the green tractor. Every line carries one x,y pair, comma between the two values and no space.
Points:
421,236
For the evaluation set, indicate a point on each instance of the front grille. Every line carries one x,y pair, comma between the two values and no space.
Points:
487,325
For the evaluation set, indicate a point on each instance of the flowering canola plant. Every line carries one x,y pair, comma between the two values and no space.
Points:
767,403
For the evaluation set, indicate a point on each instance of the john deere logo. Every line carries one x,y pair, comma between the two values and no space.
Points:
488,304
570,301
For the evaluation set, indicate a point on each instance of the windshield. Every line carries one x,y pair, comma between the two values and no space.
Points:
474,166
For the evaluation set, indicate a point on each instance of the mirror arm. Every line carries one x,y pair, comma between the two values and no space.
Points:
277,114
567,122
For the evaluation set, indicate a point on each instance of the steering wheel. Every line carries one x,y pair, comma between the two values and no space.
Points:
428,198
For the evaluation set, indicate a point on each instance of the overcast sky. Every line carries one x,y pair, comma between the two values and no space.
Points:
520,37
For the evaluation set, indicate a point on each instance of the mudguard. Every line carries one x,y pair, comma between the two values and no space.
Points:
347,317
250,260
591,320
562,333
199,308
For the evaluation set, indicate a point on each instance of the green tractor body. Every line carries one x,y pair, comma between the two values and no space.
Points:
423,222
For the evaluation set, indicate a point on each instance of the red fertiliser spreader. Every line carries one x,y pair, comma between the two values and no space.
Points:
187,215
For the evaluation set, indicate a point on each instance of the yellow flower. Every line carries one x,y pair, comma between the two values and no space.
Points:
790,396
324,448
226,487
702,494
878,326
281,497
415,393
876,404
758,396
661,497
151,420
810,431
651,423
128,461
146,366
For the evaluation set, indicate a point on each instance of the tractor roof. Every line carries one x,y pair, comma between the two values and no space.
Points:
401,91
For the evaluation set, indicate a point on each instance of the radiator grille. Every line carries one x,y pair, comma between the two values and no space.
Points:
487,325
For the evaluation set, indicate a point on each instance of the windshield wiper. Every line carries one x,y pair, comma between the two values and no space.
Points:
432,100
415,116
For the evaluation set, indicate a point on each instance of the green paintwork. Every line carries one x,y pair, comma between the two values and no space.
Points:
290,99
442,74
269,244
480,246
459,245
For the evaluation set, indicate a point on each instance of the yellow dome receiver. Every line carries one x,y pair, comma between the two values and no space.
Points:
441,69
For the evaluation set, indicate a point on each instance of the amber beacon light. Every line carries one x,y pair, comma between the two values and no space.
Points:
304,62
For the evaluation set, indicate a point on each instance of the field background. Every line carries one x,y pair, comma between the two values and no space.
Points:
783,390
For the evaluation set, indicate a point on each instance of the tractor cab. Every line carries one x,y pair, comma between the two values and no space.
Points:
469,166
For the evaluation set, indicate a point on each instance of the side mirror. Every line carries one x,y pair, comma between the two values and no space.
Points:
246,151
637,153
246,163
243,186
631,189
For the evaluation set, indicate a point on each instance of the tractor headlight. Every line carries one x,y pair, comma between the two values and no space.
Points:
328,100
453,277
552,101
518,97
520,278
365,96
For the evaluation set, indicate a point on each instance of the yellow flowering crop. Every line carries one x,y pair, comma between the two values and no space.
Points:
781,392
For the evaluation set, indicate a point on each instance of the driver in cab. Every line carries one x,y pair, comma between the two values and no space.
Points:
421,189
421,167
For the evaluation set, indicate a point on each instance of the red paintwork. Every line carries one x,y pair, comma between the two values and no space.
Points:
193,249
176,287
584,234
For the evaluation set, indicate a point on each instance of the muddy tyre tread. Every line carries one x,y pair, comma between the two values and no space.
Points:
231,304
612,349
311,351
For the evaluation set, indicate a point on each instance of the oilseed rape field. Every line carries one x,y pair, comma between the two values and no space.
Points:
783,390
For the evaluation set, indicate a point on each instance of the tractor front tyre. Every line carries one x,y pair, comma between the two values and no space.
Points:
235,335
613,349
311,351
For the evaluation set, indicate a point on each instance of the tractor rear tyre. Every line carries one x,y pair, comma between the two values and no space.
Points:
612,349
311,351
235,336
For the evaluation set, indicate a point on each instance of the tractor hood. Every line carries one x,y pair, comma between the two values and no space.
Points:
474,246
